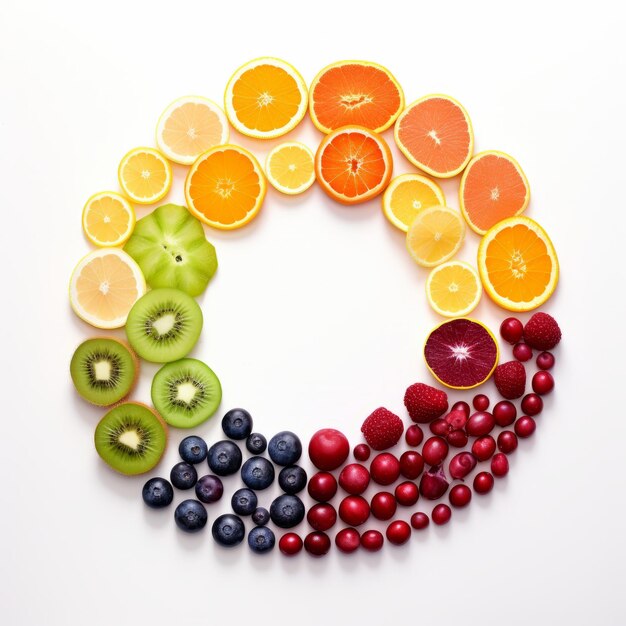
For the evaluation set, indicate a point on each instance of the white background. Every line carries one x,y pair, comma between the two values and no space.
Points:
315,317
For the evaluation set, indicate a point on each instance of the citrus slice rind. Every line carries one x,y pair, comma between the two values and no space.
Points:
453,289
108,219
290,167
145,175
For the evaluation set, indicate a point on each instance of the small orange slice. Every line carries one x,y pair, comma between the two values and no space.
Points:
225,187
108,219
493,187
349,93
435,134
353,164
145,175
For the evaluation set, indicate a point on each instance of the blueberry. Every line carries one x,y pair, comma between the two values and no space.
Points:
244,502
224,458
209,488
183,475
261,516
292,479
157,493
261,539
257,473
190,516
285,448
287,511
256,443
192,449
237,424
228,530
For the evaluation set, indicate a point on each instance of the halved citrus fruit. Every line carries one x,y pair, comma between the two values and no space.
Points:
104,286
518,265
493,187
145,175
108,219
435,134
289,167
265,98
461,353
453,289
225,187
406,195
188,127
353,164
360,93
435,235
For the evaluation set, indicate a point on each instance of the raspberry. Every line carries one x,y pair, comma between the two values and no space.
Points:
425,403
542,332
510,379
382,429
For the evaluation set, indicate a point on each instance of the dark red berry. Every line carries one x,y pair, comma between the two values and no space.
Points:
532,404
522,352
419,520
361,452
479,424
545,361
460,495
439,427
317,543
456,420
407,493
507,441
525,426
354,510
372,540
435,450
484,447
348,540
483,482
328,449
322,516
411,464
414,435
290,544
480,402
385,468
457,438
511,330
398,532
441,514
542,383
383,505
354,478
499,465
462,406
504,413
322,486
461,465
434,483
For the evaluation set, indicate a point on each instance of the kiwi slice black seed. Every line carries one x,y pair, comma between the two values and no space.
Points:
186,393
131,438
164,325
104,370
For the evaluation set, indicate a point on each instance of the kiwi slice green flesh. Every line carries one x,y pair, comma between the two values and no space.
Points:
164,325
186,393
103,370
131,438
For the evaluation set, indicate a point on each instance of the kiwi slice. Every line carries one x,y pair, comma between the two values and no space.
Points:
104,370
164,325
186,393
131,438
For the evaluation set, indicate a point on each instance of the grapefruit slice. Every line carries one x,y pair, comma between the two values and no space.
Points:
461,353
435,134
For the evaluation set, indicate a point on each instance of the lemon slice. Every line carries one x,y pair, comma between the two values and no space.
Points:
145,175
289,167
108,219
453,289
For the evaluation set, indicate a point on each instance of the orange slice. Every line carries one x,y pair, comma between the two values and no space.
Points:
518,265
145,175
108,219
435,134
453,289
493,187
290,168
406,195
353,164
104,286
188,127
349,93
265,98
225,187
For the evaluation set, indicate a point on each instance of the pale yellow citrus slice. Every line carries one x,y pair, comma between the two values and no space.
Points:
108,219
289,167
145,175
453,289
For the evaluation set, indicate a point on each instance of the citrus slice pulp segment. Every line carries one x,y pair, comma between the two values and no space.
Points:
353,164
406,195
145,175
290,168
189,126
435,235
360,93
461,353
453,289
265,98
108,219
493,187
518,264
104,286
435,134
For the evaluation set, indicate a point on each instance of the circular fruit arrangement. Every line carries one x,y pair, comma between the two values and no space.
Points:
145,274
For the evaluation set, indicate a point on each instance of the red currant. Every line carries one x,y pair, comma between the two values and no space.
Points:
385,468
372,540
460,495
507,441
525,426
441,514
348,540
322,516
317,543
290,544
532,404
484,447
407,493
383,505
354,478
414,435
483,482
499,465
354,510
322,486
419,520
361,452
398,532
411,464
542,383
511,330
480,402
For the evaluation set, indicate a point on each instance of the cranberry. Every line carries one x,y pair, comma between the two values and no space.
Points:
383,505
460,495
322,486
322,516
457,438
372,540
354,510
483,482
419,520
507,441
439,427
348,540
522,352
435,450
411,464
481,423
532,404
462,464
317,543
354,478
484,447
456,420
441,514
543,383
414,435
328,449
480,402
504,413
433,483
462,406
361,452
545,361
407,493
525,426
385,468
398,532
290,544
511,330
499,465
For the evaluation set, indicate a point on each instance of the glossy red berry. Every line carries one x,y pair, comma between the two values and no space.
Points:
407,493
542,383
383,505
484,447
419,520
545,361
398,532
532,404
511,330
439,427
411,464
456,420
434,451
317,543
414,435
507,441
372,540
483,482
479,424
522,352
322,516
354,478
290,544
385,468
480,402
460,496
348,540
504,412
354,510
499,465
462,406
461,465
328,449
322,486
361,452
525,426
441,514
457,438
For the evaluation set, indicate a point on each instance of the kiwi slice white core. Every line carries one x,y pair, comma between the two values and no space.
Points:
130,439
